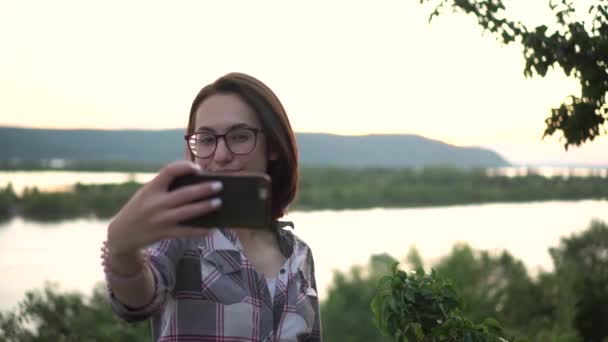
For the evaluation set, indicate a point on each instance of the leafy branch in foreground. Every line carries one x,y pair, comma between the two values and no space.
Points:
425,307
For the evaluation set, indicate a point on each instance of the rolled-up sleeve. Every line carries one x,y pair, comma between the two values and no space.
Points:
163,258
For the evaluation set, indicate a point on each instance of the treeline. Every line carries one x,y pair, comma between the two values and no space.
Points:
333,188
569,303
326,188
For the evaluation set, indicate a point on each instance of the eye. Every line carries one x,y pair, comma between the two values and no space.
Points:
240,136
205,139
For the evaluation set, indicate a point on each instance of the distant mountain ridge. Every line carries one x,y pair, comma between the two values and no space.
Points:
161,146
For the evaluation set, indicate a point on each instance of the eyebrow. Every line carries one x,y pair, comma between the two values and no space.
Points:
235,126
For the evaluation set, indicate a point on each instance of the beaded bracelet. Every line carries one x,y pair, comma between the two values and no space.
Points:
106,263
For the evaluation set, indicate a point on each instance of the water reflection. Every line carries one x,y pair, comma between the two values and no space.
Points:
32,253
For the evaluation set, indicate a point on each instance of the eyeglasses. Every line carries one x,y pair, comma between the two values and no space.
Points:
238,141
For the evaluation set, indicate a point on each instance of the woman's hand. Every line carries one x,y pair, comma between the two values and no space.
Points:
153,213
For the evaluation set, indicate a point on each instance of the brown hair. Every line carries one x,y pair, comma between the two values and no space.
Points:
279,136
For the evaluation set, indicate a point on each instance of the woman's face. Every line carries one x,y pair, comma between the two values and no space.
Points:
227,113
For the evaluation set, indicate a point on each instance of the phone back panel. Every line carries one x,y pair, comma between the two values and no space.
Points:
246,201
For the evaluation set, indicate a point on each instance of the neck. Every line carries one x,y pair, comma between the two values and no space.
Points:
250,237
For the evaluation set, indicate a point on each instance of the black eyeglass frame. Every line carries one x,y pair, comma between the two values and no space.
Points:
217,137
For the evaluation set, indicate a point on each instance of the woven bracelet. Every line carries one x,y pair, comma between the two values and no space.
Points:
106,263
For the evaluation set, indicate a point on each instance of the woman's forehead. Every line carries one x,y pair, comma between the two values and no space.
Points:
223,111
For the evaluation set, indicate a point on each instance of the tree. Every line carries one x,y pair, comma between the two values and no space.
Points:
8,201
49,315
582,259
498,285
579,48
345,312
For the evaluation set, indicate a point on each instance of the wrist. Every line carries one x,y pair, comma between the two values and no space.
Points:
116,243
122,264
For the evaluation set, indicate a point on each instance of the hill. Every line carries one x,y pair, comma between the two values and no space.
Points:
161,146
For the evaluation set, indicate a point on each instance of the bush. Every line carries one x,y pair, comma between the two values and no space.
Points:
48,315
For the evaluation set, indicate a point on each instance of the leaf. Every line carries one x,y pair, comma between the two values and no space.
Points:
409,296
493,324
395,267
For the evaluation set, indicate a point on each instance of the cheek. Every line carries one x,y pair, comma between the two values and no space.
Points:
262,154
256,161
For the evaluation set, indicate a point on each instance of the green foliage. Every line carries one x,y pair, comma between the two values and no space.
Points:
101,201
491,286
583,260
49,315
499,286
105,200
345,312
421,307
335,188
580,48
569,304
8,202
46,206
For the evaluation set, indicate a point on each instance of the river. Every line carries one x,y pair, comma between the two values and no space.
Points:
68,252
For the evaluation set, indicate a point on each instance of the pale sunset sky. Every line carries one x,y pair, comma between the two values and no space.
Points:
342,67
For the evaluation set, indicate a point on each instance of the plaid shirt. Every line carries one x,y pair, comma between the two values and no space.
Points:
207,290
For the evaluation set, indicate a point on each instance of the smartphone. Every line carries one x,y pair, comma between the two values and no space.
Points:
246,200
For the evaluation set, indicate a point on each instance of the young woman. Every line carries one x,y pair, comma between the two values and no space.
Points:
217,284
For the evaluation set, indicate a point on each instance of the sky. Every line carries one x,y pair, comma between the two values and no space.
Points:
341,67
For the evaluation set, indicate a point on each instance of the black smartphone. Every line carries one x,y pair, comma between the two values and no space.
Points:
246,200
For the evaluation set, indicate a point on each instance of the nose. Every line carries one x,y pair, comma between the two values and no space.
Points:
222,153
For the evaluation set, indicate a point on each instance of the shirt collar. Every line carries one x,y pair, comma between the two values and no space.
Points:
224,239
223,248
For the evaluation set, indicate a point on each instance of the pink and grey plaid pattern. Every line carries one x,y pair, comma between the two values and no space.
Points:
207,290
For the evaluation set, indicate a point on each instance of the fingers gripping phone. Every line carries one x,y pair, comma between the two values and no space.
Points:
246,200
